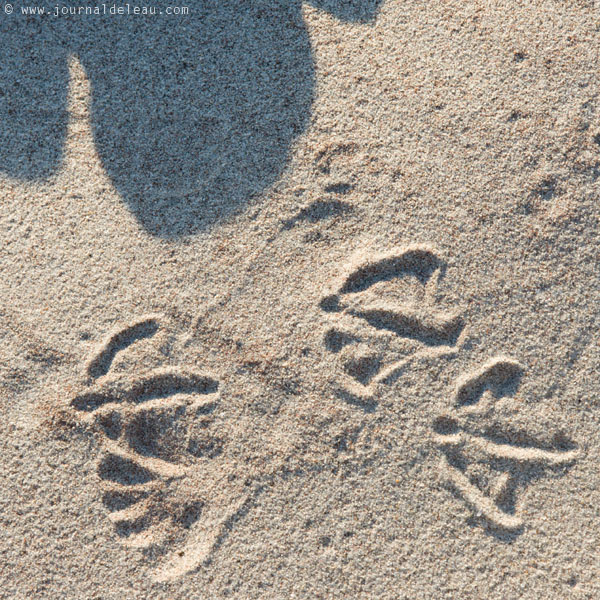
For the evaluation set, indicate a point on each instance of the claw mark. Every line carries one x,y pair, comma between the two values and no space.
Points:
461,443
118,340
376,337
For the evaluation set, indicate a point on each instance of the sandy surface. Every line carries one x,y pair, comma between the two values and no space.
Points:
301,301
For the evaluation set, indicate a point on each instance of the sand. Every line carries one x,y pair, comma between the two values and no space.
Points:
301,300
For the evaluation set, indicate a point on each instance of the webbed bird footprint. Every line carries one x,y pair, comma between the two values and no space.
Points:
161,441
485,464
383,313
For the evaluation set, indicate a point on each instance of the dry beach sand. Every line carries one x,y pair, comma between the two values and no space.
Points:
301,300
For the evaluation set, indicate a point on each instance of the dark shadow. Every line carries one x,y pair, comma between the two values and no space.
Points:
336,339
192,115
123,471
522,439
443,331
367,405
34,80
151,387
445,425
418,262
101,363
502,379
488,528
317,211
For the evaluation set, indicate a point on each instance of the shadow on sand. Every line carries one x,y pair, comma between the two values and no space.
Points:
192,114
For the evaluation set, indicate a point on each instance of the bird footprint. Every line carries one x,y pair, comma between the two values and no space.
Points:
383,314
160,444
471,449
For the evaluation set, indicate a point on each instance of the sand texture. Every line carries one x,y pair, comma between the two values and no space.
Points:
301,300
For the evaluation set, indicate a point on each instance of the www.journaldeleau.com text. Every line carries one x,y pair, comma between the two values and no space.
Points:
105,9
